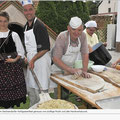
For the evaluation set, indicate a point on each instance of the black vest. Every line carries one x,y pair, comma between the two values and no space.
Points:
9,45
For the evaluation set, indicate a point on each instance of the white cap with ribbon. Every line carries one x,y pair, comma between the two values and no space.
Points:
75,22
26,2
91,24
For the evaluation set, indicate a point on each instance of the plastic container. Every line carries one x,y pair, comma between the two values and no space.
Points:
78,64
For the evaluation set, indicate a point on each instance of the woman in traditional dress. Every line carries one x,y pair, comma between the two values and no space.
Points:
12,81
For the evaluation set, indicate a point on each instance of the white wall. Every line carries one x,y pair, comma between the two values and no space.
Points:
118,24
111,32
103,8
15,15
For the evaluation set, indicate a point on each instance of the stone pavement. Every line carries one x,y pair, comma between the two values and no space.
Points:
115,56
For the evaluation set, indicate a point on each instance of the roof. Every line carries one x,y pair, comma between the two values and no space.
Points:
106,14
99,2
111,13
17,4
1,2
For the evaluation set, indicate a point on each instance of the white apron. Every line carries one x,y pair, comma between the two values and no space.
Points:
72,54
41,66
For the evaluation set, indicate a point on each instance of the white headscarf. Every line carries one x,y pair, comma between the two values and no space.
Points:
91,24
75,22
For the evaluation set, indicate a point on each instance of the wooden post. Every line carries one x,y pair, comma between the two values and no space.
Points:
59,91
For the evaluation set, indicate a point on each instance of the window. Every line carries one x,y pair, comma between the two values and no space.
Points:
109,10
108,1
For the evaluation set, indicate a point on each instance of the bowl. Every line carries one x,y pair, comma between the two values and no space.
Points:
98,68
78,64
54,104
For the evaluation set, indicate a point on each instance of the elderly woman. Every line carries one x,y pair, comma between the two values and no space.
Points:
12,82
92,39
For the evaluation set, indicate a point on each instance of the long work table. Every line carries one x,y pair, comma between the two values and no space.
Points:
110,90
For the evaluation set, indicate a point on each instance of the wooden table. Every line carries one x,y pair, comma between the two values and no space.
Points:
110,91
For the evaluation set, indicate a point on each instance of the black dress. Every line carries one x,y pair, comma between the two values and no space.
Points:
12,81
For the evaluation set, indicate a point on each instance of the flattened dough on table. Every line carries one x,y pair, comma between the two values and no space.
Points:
93,84
112,74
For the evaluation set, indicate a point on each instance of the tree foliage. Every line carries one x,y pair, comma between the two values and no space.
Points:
57,14
92,7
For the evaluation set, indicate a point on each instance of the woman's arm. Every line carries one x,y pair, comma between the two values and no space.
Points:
114,64
19,48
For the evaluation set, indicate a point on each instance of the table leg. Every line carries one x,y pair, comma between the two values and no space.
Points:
59,91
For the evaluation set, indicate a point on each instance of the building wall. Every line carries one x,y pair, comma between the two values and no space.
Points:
15,15
104,6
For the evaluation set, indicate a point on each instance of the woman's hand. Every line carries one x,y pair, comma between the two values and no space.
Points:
10,60
114,65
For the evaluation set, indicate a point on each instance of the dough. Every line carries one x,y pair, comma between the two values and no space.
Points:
56,104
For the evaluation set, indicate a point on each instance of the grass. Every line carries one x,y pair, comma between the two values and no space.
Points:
22,106
72,99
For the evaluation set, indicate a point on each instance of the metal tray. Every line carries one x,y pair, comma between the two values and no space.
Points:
109,103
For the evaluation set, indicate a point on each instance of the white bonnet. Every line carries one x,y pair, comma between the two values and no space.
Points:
75,22
91,24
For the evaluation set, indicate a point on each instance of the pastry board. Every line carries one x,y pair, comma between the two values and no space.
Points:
93,84
110,75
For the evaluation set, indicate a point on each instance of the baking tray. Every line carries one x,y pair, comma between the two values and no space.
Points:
109,103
